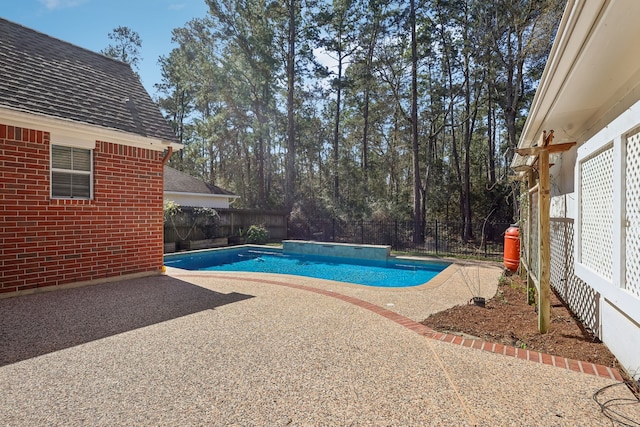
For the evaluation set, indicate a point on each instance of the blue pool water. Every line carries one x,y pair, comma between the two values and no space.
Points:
392,273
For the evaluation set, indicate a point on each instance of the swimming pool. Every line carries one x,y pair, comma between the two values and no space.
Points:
390,273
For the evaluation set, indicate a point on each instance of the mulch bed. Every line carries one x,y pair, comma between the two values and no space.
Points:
508,319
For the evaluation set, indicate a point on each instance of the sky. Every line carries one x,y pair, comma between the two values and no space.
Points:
87,23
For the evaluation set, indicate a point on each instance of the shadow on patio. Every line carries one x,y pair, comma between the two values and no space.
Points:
38,324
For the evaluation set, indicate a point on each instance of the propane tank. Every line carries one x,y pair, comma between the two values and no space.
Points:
512,247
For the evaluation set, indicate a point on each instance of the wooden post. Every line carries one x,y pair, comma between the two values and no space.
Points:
542,151
544,236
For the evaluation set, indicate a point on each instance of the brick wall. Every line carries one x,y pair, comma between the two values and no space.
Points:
45,242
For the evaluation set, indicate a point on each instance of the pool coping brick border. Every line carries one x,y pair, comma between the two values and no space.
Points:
505,350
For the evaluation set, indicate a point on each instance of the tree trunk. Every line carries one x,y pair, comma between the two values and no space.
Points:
336,136
365,137
418,235
260,162
491,138
290,187
365,113
468,132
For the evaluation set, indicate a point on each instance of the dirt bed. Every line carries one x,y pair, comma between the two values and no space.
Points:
508,319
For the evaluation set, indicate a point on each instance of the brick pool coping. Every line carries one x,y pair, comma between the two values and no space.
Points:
505,350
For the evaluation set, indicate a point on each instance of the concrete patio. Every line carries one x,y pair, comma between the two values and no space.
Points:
245,349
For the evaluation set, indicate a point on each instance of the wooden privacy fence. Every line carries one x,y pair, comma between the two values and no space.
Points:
189,226
234,222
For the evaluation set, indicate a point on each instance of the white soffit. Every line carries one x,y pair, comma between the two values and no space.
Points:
592,66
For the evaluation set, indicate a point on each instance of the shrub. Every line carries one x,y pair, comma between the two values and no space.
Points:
257,234
206,220
170,210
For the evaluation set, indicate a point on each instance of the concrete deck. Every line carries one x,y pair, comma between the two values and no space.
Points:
245,349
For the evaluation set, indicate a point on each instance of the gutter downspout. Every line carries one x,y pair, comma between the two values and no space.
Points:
167,156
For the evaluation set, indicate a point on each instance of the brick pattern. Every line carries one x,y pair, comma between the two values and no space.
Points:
47,242
505,350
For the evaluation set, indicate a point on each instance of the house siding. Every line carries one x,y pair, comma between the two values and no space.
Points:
48,242
201,201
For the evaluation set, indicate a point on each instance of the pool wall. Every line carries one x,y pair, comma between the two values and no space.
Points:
340,250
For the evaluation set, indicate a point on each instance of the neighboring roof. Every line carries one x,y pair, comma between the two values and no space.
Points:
180,182
592,73
46,76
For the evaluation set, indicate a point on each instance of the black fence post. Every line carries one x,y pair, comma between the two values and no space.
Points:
396,235
333,231
437,237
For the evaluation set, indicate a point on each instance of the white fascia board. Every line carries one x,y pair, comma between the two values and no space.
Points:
215,201
69,132
217,196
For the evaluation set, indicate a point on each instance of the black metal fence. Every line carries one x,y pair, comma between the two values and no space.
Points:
440,238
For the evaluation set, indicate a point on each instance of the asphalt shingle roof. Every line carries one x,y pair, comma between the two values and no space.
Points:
176,181
43,75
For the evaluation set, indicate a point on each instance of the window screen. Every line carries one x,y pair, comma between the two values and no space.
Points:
71,172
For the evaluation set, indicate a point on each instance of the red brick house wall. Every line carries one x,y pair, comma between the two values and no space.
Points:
46,242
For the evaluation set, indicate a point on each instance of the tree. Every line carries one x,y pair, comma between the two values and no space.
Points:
418,235
249,55
125,47
406,126
177,87
372,31
339,22
290,187
520,39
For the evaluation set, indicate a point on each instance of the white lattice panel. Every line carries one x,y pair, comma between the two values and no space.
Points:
558,272
597,213
524,235
534,245
632,207
580,297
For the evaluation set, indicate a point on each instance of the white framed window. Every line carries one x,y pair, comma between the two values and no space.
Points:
71,172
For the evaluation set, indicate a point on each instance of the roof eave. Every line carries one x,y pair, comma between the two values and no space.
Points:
183,193
60,128
591,76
